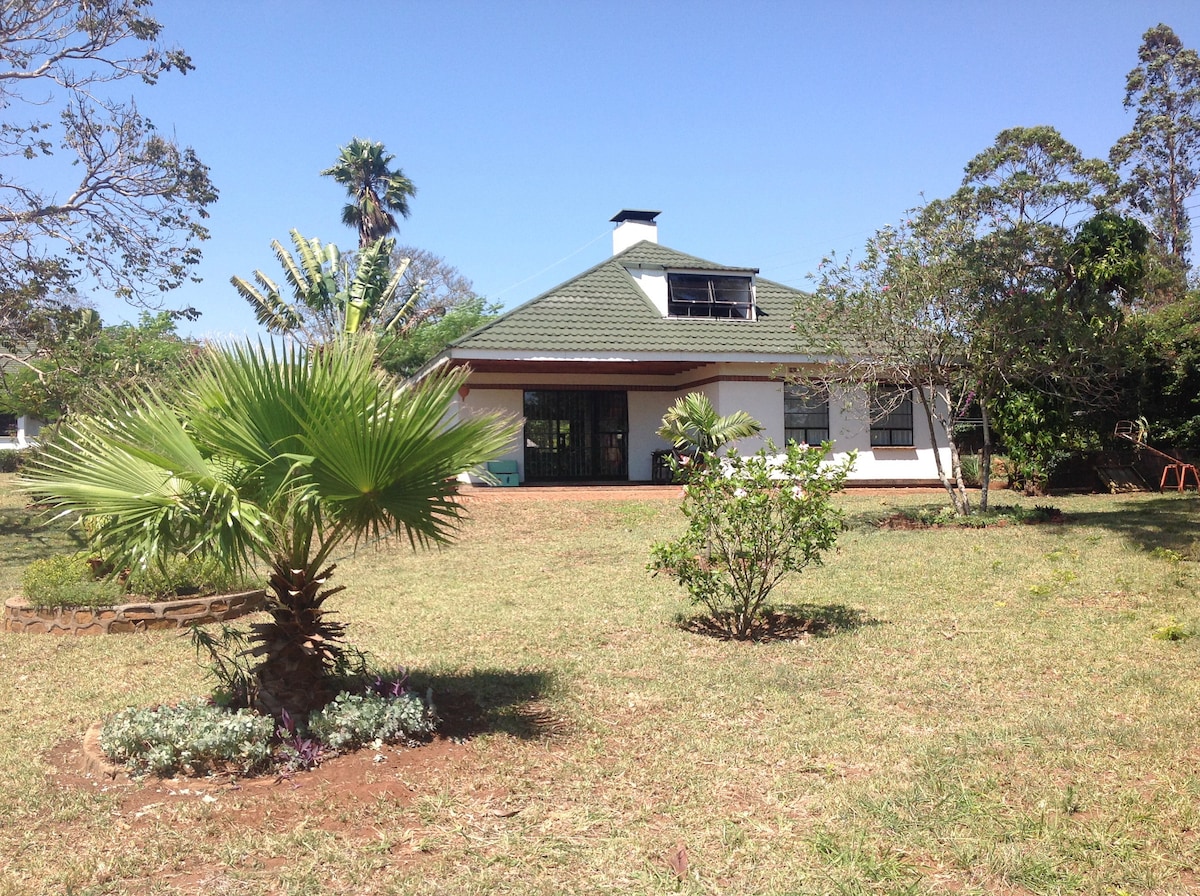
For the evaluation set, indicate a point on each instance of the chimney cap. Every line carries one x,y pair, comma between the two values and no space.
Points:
628,214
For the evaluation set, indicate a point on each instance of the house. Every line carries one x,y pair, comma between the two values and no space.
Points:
592,365
17,431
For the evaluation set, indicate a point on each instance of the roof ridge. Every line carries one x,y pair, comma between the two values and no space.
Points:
600,264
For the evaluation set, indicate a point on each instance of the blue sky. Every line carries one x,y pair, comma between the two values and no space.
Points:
768,133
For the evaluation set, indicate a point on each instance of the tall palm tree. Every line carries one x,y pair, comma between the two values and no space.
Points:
330,295
274,456
692,424
375,190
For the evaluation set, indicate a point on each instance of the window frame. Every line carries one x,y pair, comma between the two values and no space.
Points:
891,413
704,301
814,401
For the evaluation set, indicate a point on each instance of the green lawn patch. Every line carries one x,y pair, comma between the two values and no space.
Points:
999,710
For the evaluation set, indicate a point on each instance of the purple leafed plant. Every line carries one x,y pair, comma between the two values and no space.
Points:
306,751
391,686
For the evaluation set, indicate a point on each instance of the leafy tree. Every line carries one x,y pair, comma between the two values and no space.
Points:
407,352
1160,156
446,309
331,294
903,316
1032,177
692,424
81,362
1162,380
126,212
989,291
25,307
441,284
1040,324
375,189
284,457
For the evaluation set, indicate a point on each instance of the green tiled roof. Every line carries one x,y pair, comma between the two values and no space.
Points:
603,310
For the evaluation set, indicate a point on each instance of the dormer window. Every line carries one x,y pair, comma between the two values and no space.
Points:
726,296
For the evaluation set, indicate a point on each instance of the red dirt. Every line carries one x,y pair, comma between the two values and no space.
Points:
348,781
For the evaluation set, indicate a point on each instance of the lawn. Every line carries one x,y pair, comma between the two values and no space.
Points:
990,712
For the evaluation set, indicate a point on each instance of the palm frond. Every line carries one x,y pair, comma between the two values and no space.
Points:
692,422
270,308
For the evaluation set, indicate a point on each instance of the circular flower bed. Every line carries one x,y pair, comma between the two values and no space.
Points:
21,616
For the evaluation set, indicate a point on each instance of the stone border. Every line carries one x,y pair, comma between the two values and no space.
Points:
22,618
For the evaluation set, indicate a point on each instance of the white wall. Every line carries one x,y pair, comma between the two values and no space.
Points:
646,411
654,285
850,429
762,401
848,424
27,432
510,403
627,233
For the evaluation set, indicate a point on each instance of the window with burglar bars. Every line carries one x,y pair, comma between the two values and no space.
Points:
891,417
805,413
710,295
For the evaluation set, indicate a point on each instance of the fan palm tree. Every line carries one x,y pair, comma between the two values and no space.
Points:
329,295
275,456
692,424
375,190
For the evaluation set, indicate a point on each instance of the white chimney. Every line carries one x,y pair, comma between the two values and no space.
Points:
633,226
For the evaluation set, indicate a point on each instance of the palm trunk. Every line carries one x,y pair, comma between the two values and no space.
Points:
298,647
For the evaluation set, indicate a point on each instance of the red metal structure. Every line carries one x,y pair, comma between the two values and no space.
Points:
1176,470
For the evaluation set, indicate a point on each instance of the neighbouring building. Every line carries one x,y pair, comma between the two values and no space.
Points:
17,431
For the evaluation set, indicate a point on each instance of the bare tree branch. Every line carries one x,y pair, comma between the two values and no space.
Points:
129,218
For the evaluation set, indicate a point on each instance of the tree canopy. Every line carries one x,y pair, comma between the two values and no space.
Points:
1160,156
1015,284
83,362
125,214
376,190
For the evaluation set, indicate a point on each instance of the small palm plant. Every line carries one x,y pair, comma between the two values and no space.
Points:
274,456
693,426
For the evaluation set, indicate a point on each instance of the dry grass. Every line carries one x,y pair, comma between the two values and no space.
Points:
995,717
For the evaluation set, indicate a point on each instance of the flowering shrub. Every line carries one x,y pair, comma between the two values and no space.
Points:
751,521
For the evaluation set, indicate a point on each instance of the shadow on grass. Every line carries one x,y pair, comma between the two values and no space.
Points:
1169,522
787,622
25,537
876,517
489,701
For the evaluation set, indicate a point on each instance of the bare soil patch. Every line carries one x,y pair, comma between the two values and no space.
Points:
339,785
